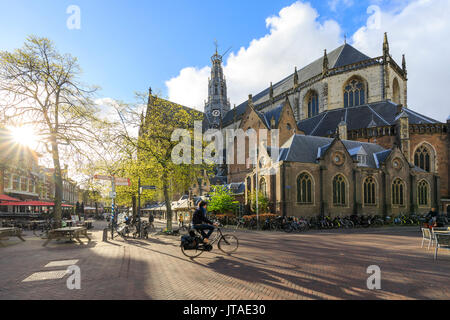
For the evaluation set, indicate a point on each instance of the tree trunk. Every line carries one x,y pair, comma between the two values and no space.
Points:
133,200
167,200
58,184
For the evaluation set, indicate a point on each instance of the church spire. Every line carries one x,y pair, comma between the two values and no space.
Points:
404,64
385,46
217,104
325,63
271,91
295,78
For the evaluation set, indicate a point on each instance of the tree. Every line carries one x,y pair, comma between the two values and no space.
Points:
222,200
154,146
263,202
40,87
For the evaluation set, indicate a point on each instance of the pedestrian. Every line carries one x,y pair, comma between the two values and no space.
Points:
432,216
180,220
151,218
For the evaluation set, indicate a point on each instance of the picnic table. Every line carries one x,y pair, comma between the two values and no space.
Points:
67,233
10,232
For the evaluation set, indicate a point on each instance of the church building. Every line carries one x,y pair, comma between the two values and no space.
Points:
349,141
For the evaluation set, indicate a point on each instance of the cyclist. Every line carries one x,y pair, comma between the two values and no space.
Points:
201,222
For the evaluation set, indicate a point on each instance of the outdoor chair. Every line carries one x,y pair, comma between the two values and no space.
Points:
442,241
427,236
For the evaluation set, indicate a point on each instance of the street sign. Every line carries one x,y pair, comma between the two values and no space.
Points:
146,188
100,177
122,182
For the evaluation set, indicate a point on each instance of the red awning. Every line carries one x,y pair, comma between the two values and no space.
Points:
32,203
4,197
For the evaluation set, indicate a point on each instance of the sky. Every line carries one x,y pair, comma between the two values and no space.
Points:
128,46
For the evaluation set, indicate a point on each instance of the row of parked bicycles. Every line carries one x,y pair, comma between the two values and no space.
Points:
299,224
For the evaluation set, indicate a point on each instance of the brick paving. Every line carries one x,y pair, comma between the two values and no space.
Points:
274,265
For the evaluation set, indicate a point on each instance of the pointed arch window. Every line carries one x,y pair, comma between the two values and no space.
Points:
422,192
304,188
339,190
422,158
263,187
313,104
398,192
369,191
354,94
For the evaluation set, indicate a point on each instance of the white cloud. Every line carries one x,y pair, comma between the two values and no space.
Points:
420,31
334,4
190,87
296,38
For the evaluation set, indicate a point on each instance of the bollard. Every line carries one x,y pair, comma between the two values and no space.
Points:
105,234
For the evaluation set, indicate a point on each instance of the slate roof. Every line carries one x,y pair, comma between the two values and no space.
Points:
307,149
341,56
381,113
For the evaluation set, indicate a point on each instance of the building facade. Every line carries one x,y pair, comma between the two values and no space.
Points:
348,94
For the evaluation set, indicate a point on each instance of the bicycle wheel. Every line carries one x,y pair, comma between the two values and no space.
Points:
192,253
228,243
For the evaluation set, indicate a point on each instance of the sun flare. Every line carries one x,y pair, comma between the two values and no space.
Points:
24,136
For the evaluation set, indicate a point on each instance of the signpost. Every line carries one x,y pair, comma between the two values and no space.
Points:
140,189
114,181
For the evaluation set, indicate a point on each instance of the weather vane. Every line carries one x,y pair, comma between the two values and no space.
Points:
216,44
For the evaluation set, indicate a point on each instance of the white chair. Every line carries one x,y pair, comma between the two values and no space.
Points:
442,241
427,235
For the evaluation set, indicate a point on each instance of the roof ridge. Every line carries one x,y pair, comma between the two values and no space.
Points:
419,115
325,114
376,113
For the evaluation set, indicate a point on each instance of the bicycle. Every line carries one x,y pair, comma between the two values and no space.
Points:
227,243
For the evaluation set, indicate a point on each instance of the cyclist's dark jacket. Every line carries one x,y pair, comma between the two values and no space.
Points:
200,217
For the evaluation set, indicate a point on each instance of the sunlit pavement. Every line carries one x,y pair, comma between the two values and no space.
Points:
267,265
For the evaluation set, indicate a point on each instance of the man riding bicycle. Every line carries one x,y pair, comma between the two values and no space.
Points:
201,222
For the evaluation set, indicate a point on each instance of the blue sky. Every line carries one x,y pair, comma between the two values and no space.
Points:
126,46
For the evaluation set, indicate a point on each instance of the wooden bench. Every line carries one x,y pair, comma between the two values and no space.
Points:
67,233
10,232
442,241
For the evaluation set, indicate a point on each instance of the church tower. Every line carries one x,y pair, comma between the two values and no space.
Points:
217,104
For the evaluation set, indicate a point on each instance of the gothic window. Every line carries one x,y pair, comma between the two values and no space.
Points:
263,187
422,192
398,192
249,187
396,91
422,158
304,188
313,104
369,191
339,187
354,94
216,90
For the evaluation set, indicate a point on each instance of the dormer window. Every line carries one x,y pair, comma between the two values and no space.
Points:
360,155
362,160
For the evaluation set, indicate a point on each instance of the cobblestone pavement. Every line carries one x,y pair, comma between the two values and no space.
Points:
268,265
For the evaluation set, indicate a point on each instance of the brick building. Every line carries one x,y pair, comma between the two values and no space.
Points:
348,94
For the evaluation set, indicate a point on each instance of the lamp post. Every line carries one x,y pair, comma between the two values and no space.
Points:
139,207
257,188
